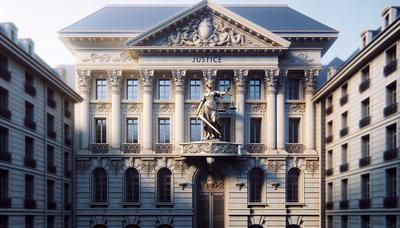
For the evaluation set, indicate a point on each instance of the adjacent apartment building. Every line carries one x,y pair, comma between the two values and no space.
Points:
142,70
359,121
36,132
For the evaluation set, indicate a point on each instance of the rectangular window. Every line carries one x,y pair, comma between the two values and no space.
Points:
67,133
391,54
293,89
391,137
29,221
29,187
365,221
50,221
51,99
391,94
3,99
101,89
344,221
255,89
66,162
225,128
101,130
365,108
29,80
344,90
255,130
132,130
329,129
29,111
50,190
29,147
329,162
3,184
50,155
391,182
66,193
344,120
50,126
344,154
365,186
66,222
330,192
294,127
164,131
224,84
195,130
132,89
4,221
195,89
329,102
4,143
164,89
344,189
391,221
365,74
365,147
330,222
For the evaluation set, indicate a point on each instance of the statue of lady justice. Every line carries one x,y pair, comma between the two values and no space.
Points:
209,112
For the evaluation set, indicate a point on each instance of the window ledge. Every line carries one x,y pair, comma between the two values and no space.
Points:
98,204
256,204
164,204
131,204
295,204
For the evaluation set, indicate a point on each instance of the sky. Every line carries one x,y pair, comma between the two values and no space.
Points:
41,19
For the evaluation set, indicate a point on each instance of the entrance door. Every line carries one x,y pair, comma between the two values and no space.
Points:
210,201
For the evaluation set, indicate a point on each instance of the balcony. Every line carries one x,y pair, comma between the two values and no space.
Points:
390,67
390,202
329,139
52,134
30,162
329,205
5,74
5,156
30,123
29,203
51,103
67,206
51,205
365,121
344,132
344,167
344,204
329,110
5,202
51,168
67,173
343,100
131,148
390,109
294,148
364,85
163,148
364,203
30,89
390,154
364,161
67,113
255,148
99,148
329,172
210,149
5,113
68,141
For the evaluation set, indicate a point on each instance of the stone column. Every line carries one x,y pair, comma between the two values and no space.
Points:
209,75
179,123
271,76
281,111
84,120
114,77
309,89
147,77
240,79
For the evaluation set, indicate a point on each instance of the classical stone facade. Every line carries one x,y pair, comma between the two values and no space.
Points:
141,161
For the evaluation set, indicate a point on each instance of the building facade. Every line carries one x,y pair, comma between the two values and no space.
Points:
141,160
36,132
357,113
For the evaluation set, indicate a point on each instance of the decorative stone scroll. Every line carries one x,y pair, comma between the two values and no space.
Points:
240,78
271,79
147,77
192,108
310,79
210,148
275,165
209,75
181,165
106,58
295,162
257,107
312,166
179,78
164,107
114,77
134,107
100,107
147,166
295,107
84,80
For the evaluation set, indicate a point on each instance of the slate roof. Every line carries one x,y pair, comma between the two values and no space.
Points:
137,19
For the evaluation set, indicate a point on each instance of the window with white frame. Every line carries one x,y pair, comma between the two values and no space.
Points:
164,186
365,108
365,186
164,89
294,128
391,94
132,89
224,84
255,130
391,182
132,128
195,89
225,128
293,185
365,146
344,153
131,185
195,130
99,185
101,89
101,130
254,89
330,192
391,137
164,135
344,189
293,89
256,181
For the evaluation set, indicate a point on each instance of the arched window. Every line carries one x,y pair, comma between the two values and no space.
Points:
164,184
164,226
99,185
293,226
292,185
256,180
131,185
131,226
256,226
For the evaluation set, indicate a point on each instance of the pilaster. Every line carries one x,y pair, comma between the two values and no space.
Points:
147,77
179,76
114,78
280,112
310,77
240,82
270,81
84,120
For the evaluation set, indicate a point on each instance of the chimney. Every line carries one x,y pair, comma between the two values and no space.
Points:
10,30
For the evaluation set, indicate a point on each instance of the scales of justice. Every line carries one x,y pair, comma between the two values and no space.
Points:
208,111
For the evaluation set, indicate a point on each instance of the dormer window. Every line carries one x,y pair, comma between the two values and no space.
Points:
386,20
364,40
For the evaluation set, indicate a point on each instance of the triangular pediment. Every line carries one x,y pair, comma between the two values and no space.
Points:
207,25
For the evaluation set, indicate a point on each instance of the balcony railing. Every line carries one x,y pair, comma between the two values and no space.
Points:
5,113
390,109
52,134
364,161
343,100
329,172
329,205
364,85
5,156
5,202
5,74
390,202
131,148
329,139
30,123
364,203
390,67
390,154
255,148
51,103
163,148
294,148
51,205
99,148
344,167
29,203
329,110
344,132
30,89
364,121
30,162
344,204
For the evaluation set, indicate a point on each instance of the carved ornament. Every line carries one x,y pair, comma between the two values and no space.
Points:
164,107
274,165
312,166
256,107
106,58
210,148
295,108
134,107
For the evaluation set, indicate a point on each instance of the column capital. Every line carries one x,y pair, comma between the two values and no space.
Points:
282,79
147,77
114,77
271,78
209,75
310,78
179,78
84,79
239,78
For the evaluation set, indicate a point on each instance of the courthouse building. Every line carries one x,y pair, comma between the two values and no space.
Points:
359,120
36,132
141,71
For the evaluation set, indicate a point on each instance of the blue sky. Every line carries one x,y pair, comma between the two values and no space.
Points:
41,19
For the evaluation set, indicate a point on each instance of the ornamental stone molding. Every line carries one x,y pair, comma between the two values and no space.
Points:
147,77
275,165
178,76
295,162
133,107
295,107
312,166
181,166
147,166
271,79
240,78
210,148
164,107
255,148
114,77
209,75
100,107
191,108
258,107
106,58
310,79
84,80
282,78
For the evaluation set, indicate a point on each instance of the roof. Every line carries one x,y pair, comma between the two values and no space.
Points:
138,18
336,63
